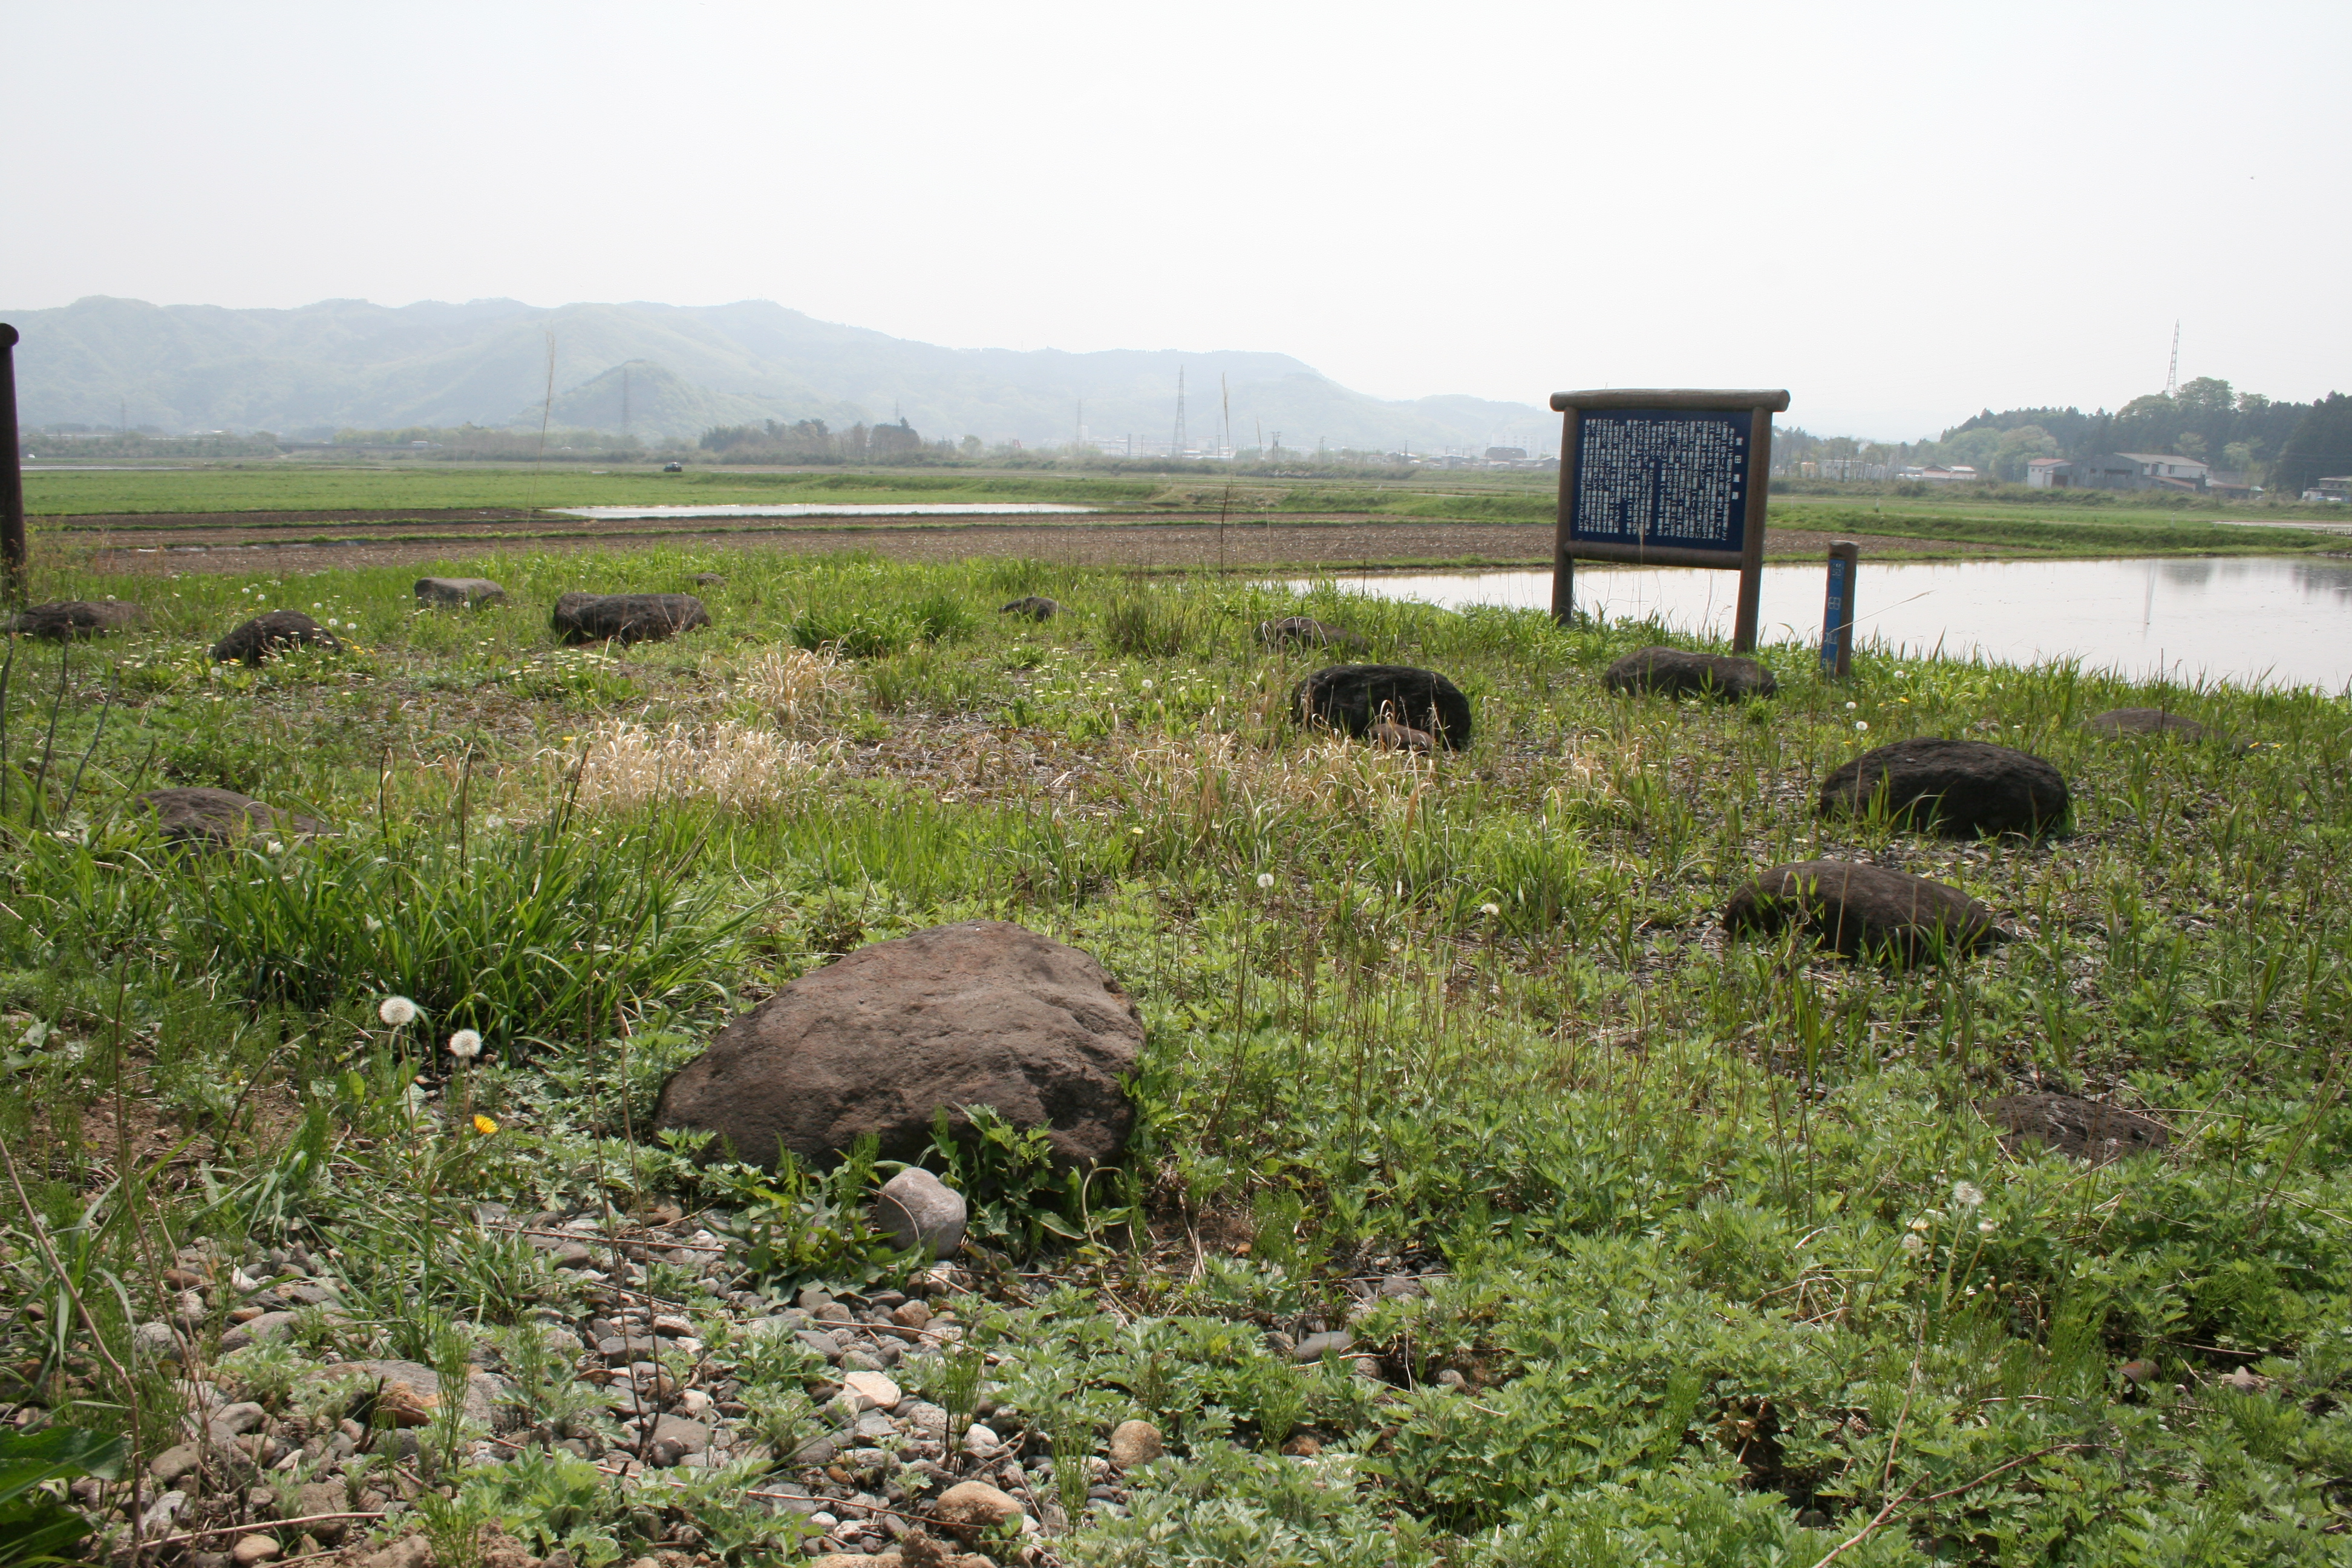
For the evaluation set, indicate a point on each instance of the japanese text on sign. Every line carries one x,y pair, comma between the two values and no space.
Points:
1667,477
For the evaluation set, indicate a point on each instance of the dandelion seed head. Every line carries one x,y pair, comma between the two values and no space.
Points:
1968,1194
396,1011
1265,880
1490,910
1851,706
466,1045
1919,1225
1862,724
1987,1227
1914,1244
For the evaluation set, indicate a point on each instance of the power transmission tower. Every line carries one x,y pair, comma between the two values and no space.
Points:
2172,376
1225,394
624,402
1178,450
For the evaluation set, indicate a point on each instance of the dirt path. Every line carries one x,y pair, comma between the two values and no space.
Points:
245,542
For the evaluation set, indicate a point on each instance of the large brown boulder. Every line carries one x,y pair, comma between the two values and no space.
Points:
458,593
977,1012
218,818
1679,672
77,619
277,632
627,618
1353,698
1963,788
1863,911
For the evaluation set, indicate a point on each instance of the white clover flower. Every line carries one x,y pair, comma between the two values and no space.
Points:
1265,880
466,1045
1851,706
1967,1196
1913,1245
396,1011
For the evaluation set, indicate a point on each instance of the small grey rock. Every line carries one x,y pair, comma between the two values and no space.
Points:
917,1210
1315,1346
240,1418
173,1462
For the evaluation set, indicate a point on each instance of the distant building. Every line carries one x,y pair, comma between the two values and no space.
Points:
2232,487
1959,473
1506,454
2141,472
2332,487
2049,474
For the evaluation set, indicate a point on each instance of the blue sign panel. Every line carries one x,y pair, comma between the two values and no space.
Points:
1837,613
1662,476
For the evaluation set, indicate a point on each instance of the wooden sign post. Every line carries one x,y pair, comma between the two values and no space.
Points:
1665,479
12,474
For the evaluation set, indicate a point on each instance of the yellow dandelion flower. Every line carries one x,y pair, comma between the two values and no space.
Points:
485,1126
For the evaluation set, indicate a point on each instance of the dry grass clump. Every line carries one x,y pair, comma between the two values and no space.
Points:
1213,782
795,689
738,765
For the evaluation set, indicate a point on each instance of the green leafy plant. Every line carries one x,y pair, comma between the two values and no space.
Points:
799,1227
35,1527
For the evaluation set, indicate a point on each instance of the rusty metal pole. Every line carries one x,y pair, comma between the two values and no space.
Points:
12,473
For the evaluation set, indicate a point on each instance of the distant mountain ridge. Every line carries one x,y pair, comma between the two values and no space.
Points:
346,362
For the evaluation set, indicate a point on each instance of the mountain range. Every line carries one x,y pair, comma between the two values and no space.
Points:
681,370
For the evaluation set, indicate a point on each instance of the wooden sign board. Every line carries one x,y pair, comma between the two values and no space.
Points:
1665,479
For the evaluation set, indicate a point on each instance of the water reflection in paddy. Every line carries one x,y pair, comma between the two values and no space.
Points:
2248,620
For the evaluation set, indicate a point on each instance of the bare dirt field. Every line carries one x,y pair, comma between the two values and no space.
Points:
241,542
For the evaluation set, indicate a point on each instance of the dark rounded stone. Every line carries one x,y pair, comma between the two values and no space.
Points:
274,633
1863,911
218,818
2083,1128
1963,788
2118,723
458,593
1305,631
1035,608
627,618
977,1013
1353,698
1679,672
77,619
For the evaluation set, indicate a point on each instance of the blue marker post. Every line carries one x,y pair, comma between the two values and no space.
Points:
1837,616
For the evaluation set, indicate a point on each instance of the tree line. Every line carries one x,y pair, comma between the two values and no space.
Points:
2283,447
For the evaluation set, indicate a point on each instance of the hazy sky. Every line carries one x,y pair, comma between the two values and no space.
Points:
1901,213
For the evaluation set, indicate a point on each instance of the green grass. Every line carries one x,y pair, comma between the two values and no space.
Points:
1699,1288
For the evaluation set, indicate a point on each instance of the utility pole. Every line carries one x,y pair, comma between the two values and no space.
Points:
2172,376
12,473
624,402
